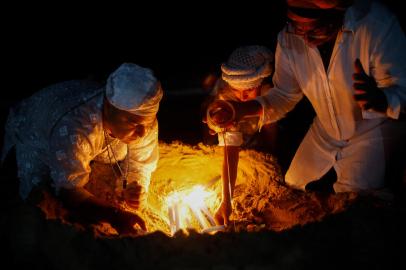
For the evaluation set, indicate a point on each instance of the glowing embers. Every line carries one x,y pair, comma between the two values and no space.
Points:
188,210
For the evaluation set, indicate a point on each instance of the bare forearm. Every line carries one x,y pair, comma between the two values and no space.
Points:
230,166
86,205
87,209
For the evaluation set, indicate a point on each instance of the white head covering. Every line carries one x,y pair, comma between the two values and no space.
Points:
134,89
247,67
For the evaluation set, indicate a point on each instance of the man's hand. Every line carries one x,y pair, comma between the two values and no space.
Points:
222,215
367,94
133,194
124,222
212,130
87,209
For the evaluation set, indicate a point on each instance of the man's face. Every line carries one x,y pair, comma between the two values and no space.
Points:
125,126
315,31
247,94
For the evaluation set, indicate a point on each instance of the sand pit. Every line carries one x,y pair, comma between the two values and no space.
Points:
261,200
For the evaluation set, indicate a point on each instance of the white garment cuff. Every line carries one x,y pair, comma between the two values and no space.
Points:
232,138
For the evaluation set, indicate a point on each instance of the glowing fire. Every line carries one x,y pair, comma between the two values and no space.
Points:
175,199
188,209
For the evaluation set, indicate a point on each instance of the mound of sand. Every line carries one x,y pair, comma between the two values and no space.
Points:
261,200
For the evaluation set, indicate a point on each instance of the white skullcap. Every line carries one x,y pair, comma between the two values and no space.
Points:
134,89
247,67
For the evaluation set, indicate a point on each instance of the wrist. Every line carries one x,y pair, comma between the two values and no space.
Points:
226,204
225,199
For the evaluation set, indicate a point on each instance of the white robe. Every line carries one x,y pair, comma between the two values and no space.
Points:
342,135
59,131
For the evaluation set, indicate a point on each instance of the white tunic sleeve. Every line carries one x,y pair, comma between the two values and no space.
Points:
71,150
286,92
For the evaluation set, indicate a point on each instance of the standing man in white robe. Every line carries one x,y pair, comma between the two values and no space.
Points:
348,58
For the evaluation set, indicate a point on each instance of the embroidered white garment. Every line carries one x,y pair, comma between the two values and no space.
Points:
59,130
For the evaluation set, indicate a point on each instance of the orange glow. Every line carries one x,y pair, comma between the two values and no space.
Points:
188,177
187,209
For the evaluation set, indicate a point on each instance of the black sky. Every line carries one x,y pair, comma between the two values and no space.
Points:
180,42
181,46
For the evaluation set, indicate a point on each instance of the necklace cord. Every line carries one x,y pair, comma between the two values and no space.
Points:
122,175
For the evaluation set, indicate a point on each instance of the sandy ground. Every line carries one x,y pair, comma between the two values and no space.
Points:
261,199
275,227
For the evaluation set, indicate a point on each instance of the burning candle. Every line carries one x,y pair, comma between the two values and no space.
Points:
171,219
188,222
176,214
184,205
198,217
214,229
208,215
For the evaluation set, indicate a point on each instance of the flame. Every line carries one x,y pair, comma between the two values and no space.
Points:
188,209
180,171
197,196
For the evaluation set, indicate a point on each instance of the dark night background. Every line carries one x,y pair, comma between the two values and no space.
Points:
182,43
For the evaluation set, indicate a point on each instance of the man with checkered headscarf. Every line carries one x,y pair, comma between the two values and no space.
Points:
245,76
348,58
60,130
